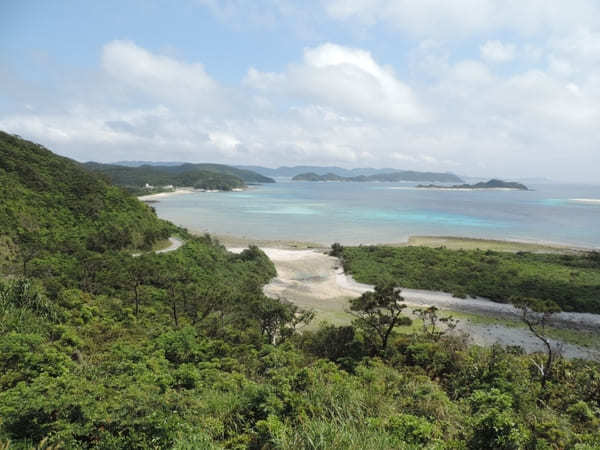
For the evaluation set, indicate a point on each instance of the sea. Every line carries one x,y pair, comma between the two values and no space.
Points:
376,213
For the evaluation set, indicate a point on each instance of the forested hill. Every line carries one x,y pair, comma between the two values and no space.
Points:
135,178
53,202
204,176
395,177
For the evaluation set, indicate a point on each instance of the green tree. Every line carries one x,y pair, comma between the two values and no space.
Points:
380,311
279,320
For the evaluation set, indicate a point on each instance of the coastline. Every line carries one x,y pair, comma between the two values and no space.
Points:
178,191
450,242
160,195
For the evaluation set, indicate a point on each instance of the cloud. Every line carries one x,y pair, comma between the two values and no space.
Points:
346,79
497,52
335,104
460,18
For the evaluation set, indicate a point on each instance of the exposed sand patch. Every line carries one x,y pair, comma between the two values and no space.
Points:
313,279
591,201
167,194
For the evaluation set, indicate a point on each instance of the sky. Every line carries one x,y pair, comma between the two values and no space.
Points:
504,88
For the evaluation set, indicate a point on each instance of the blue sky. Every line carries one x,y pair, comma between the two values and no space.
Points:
476,87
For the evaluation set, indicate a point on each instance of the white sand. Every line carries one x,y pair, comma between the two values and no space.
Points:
591,201
167,194
311,279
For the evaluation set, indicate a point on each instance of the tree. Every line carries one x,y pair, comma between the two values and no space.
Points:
430,322
138,271
536,314
380,311
336,250
31,244
279,320
201,301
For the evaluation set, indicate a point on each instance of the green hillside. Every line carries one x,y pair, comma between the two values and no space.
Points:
248,176
200,176
135,178
54,203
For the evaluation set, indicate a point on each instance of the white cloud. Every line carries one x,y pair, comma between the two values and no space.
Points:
345,79
334,105
497,52
160,77
427,18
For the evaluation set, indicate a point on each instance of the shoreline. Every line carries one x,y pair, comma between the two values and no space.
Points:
450,242
184,190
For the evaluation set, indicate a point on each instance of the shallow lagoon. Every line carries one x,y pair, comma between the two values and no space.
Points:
354,213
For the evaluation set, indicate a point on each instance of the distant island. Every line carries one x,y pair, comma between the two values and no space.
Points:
384,177
491,184
409,175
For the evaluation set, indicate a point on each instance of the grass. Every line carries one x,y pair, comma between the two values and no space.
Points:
462,243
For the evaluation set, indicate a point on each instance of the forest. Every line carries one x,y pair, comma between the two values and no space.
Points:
199,176
572,281
182,350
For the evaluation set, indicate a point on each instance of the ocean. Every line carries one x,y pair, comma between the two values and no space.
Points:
370,213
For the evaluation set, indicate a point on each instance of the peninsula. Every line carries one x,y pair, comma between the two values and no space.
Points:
491,184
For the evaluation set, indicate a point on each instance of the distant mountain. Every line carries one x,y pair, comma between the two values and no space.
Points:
291,172
393,177
491,184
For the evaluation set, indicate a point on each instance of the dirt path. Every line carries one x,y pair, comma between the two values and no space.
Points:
175,244
312,279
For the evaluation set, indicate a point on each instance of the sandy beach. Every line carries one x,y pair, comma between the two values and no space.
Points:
160,195
314,280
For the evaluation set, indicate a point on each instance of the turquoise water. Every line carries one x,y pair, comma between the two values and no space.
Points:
354,213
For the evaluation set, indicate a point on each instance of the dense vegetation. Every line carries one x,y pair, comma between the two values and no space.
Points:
491,184
385,177
51,205
571,281
200,176
101,349
135,178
